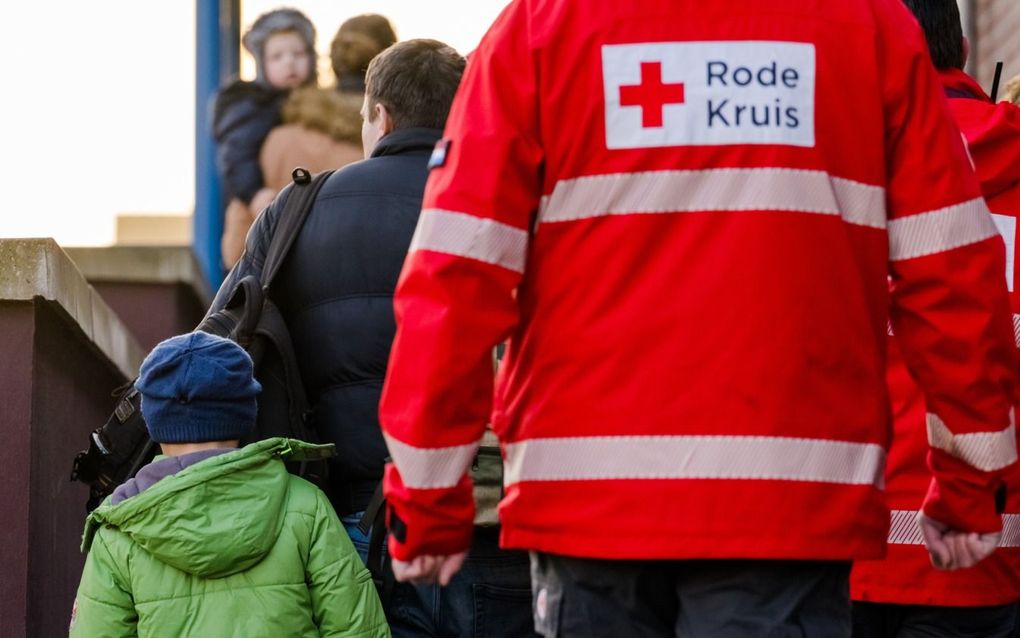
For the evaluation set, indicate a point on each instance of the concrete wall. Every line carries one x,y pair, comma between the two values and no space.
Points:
17,332
157,291
996,24
63,351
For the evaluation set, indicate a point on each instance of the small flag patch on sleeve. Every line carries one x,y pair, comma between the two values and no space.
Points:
438,157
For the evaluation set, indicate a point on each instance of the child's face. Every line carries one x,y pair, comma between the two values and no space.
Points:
287,62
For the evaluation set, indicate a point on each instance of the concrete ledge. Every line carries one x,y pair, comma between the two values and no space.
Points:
33,269
142,264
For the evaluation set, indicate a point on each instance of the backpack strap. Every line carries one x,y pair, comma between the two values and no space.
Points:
376,504
239,317
373,524
302,195
273,329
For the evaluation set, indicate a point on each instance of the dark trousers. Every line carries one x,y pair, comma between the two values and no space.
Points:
690,599
879,620
490,597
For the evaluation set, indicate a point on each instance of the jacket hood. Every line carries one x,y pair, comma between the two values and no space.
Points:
992,132
328,111
275,21
959,84
215,518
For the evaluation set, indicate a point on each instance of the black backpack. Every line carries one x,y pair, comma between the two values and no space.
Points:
121,446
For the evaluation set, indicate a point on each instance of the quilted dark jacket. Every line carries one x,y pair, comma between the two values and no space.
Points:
243,115
335,291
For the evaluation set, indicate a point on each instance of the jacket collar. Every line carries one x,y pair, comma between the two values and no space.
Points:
407,140
255,457
158,470
956,83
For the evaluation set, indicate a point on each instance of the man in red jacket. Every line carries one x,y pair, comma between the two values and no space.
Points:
904,595
683,217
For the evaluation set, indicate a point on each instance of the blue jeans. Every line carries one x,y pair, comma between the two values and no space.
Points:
490,597
360,540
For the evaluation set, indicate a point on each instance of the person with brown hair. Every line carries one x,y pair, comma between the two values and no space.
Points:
321,126
335,293
282,42
357,41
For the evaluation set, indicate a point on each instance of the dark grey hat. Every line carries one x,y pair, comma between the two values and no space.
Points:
284,19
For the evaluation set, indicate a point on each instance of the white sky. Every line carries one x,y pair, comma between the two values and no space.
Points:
99,102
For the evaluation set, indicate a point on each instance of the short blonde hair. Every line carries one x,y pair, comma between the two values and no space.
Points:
1012,90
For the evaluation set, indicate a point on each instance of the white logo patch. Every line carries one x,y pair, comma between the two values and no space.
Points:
709,93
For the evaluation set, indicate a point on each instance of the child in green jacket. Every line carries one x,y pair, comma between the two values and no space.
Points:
211,540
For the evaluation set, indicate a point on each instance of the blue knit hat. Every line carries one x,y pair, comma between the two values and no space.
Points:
198,387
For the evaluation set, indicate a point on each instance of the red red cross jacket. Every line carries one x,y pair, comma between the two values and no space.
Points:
683,217
906,576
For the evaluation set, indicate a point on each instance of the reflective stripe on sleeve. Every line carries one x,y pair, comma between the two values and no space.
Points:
940,230
903,529
473,237
722,189
694,457
986,451
429,468
1016,330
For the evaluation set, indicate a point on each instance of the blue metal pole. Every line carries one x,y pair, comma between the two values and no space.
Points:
216,57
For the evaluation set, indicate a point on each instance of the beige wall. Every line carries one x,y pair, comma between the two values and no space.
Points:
997,33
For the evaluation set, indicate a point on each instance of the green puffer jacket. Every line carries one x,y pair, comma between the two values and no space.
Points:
230,546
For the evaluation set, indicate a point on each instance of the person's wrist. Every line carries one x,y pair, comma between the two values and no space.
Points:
962,506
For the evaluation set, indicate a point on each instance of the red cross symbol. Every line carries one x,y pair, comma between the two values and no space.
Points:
651,95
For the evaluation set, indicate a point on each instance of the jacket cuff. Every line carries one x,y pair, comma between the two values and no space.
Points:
428,522
964,505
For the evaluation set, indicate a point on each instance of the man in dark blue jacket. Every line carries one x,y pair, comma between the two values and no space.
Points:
335,291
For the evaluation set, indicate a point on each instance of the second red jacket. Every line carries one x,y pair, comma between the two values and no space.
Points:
906,575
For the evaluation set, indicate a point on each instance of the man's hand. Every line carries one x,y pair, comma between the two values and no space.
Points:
429,569
952,549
